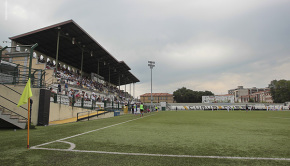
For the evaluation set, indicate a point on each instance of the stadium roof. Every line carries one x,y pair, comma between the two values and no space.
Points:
71,54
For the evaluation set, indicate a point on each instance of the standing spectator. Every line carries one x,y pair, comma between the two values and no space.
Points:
52,92
132,108
86,98
66,88
93,100
141,109
59,88
70,96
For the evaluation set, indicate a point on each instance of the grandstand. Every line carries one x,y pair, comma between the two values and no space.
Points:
70,73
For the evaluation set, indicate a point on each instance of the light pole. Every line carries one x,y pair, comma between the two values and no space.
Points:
151,64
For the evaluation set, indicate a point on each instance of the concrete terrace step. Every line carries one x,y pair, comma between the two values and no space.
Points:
12,119
5,112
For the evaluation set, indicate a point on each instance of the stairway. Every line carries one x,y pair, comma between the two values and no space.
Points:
11,120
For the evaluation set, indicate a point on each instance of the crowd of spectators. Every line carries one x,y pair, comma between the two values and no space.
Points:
49,64
68,77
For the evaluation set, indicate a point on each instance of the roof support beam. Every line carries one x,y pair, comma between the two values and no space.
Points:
82,62
98,70
119,84
30,58
109,75
57,48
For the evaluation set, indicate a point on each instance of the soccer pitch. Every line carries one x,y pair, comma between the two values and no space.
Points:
163,138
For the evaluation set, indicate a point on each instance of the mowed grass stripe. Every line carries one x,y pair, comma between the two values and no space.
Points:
196,133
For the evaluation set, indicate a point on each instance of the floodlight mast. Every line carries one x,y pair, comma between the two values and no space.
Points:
151,64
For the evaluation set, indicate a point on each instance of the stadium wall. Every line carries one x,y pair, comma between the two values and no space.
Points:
14,97
61,111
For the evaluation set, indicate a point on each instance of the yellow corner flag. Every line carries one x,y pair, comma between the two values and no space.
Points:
26,94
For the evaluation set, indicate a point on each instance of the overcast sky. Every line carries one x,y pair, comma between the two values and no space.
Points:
213,45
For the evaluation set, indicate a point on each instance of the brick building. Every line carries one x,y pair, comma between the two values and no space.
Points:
258,97
241,93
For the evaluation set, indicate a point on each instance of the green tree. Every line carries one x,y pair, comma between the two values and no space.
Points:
280,90
184,95
251,100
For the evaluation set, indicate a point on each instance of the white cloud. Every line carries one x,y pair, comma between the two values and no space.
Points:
19,12
199,54
199,9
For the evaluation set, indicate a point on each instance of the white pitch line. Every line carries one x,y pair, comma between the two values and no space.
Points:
168,155
72,145
280,118
59,140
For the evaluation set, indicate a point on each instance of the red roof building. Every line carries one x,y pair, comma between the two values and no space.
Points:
157,98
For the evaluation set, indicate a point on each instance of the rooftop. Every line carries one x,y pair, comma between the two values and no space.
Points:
73,40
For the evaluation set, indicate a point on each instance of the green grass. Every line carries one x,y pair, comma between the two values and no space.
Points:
201,133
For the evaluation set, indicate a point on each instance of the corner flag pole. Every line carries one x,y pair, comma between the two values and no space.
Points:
28,124
25,98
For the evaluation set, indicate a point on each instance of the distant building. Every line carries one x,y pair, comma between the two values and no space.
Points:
157,98
258,97
228,98
241,91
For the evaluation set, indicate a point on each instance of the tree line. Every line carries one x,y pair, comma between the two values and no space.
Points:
184,95
280,91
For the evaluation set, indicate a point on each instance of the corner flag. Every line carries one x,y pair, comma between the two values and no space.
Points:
26,94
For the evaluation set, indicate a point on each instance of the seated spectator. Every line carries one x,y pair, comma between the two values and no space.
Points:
78,96
87,97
